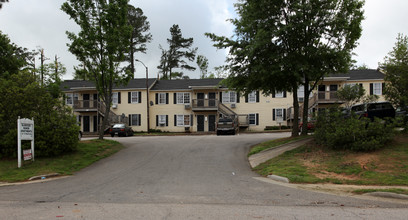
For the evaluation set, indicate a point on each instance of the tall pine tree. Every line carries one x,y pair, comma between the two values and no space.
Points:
173,58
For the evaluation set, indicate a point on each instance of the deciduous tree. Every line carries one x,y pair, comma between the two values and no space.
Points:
101,44
395,66
279,45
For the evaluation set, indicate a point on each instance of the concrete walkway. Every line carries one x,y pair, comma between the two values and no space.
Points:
268,154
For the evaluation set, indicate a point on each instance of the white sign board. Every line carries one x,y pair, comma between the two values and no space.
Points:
25,131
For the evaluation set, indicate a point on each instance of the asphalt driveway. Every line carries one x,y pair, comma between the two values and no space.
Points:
205,170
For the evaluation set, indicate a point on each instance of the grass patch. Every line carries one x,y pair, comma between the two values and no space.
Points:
393,190
87,153
274,143
318,164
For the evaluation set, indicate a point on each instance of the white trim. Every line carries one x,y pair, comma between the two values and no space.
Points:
183,120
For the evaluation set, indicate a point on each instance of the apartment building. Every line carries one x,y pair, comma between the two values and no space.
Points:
325,95
195,105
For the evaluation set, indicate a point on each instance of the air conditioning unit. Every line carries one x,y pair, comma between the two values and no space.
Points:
187,106
301,99
114,106
162,124
233,106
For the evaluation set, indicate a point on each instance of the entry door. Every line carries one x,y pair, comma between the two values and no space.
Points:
86,123
95,102
200,99
211,123
322,92
200,122
86,100
211,97
333,91
95,123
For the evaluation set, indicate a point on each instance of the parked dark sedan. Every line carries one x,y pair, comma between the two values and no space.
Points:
121,130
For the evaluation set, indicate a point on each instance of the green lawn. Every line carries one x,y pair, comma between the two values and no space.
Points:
87,153
317,164
274,143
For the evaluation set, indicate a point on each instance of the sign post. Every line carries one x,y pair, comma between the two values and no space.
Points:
25,131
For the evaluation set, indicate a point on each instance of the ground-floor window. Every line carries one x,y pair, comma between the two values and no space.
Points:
162,120
253,119
182,120
134,120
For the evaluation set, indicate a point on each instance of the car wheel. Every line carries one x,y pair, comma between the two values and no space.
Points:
112,135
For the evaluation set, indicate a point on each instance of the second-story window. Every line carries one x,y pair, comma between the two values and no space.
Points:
229,97
69,99
377,90
115,98
279,95
252,97
135,97
183,98
162,98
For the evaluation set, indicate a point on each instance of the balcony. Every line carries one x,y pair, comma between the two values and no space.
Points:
88,106
204,105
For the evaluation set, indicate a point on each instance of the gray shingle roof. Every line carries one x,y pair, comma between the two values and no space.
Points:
78,84
361,74
184,84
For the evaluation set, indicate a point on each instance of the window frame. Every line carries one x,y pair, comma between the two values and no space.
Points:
249,118
161,119
162,97
252,97
115,95
279,94
182,118
378,90
183,96
276,114
226,97
132,96
136,116
69,96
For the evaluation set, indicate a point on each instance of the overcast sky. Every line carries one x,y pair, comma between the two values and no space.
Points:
41,23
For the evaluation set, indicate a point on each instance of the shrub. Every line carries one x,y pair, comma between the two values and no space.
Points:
272,128
338,131
55,128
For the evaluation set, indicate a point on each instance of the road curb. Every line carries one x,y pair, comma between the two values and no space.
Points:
388,195
43,176
279,178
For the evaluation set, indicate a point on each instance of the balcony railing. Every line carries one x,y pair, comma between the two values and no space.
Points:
89,106
204,104
327,96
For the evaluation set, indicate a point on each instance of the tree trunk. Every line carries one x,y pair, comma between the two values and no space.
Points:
305,107
295,128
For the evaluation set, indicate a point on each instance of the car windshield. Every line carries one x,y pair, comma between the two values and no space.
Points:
119,126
